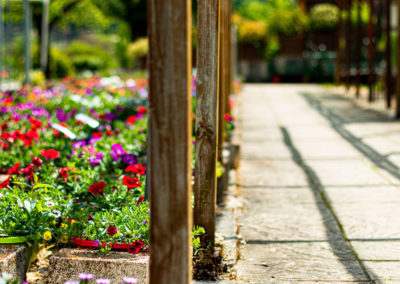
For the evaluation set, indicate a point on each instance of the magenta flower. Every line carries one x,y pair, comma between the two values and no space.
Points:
85,276
117,151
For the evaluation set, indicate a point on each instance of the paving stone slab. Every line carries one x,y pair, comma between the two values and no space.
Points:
68,263
265,150
346,173
291,214
388,272
378,249
13,261
334,149
313,133
364,194
286,271
369,221
271,173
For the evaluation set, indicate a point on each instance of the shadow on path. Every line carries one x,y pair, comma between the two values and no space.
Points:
334,230
338,123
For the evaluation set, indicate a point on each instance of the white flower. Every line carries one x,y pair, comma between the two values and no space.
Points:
6,276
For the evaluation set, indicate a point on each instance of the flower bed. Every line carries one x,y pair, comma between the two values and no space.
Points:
73,164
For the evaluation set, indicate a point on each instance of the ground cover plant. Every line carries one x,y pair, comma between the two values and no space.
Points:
73,164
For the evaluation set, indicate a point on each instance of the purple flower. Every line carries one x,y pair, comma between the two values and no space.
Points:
96,242
144,222
103,281
85,276
95,161
130,280
39,112
70,282
129,159
117,151
93,140
110,116
79,144
62,116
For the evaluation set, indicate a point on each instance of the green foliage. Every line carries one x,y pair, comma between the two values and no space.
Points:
324,17
38,78
365,13
59,64
288,22
86,56
252,31
137,50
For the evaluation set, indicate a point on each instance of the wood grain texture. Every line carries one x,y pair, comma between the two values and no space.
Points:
207,115
398,65
388,55
371,52
170,140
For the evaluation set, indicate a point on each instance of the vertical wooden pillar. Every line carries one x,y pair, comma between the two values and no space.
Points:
222,89
388,53
339,46
358,49
398,64
27,38
169,25
348,45
371,52
206,115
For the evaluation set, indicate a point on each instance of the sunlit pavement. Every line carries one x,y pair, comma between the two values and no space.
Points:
319,179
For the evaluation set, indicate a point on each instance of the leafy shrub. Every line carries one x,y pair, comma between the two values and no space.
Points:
252,31
59,64
288,22
324,17
137,50
85,56
38,78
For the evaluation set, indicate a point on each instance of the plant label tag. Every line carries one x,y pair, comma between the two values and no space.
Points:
64,130
88,120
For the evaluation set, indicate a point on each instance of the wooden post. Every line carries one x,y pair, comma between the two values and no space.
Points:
371,52
169,26
207,115
348,45
388,53
2,34
45,36
339,46
358,49
27,41
398,64
222,90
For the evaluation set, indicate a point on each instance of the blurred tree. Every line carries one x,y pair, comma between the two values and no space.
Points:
132,12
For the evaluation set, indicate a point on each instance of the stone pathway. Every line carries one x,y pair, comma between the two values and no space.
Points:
319,180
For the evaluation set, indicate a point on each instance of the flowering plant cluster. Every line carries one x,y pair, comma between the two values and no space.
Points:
72,163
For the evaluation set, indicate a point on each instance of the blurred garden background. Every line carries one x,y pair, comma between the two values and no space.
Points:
275,41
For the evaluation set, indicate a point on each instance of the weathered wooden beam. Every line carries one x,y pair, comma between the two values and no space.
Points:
398,64
388,54
223,89
348,44
358,49
205,181
338,71
371,51
169,26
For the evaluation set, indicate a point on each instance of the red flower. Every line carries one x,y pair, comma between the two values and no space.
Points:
141,109
14,169
50,154
136,247
64,172
97,188
136,169
32,134
5,183
35,123
140,200
97,134
131,182
37,162
132,119
112,230
28,171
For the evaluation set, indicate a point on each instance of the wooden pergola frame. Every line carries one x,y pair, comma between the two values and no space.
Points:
170,173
